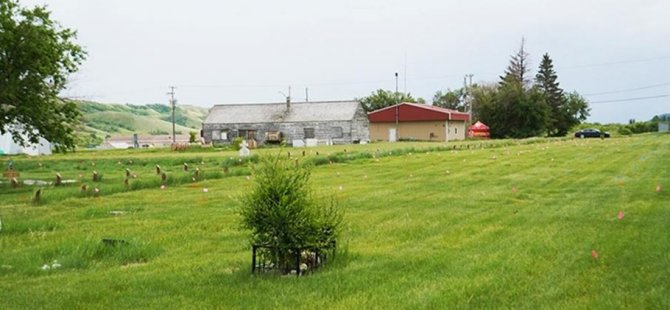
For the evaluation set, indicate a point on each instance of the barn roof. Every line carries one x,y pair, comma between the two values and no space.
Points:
277,112
408,112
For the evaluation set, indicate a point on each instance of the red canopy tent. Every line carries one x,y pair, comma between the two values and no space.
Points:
478,130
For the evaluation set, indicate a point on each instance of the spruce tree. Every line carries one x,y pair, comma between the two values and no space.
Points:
518,67
546,81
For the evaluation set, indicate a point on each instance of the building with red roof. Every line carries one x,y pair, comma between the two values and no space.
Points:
412,121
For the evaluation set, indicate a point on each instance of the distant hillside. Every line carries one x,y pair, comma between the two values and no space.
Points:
101,120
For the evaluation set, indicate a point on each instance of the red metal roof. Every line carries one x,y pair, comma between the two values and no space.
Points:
412,112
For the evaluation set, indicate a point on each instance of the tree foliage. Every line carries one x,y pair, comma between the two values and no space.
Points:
566,110
36,57
451,99
518,68
280,209
509,110
515,109
386,98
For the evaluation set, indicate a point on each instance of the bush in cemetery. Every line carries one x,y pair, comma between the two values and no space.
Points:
281,211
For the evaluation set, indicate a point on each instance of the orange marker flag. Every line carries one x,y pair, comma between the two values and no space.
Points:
594,254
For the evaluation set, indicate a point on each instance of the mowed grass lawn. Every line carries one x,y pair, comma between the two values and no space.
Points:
523,226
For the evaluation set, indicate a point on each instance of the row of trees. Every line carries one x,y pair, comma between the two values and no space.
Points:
516,107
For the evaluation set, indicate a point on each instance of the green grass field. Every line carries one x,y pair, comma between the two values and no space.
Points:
500,224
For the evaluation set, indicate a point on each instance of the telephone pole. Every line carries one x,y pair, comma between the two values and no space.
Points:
173,103
467,85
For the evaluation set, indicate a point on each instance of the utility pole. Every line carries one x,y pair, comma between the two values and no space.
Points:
173,103
467,84
306,94
396,83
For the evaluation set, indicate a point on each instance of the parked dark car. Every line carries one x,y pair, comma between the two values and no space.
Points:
592,133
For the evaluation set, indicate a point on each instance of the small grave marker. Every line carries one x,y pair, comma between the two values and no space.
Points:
113,242
185,167
59,180
37,197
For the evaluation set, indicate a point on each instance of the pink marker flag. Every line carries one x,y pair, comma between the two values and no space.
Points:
620,216
594,254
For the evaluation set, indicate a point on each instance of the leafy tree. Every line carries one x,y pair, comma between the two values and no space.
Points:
518,67
386,98
281,212
192,137
575,111
451,99
36,56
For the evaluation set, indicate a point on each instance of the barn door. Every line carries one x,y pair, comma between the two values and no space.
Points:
392,135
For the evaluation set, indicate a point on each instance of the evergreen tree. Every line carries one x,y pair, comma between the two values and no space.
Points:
546,81
518,67
565,110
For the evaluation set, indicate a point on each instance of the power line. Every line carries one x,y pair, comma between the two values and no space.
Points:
627,89
631,99
621,62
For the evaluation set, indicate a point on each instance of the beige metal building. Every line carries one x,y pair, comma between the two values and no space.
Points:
411,121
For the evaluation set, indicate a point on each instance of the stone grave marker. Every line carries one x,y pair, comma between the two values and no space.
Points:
244,150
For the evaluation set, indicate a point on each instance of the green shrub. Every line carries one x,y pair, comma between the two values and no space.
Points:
281,212
237,143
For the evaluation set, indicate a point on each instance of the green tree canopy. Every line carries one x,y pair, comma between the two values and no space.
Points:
451,99
386,98
36,57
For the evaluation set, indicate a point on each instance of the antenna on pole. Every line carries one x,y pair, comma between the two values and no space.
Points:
306,94
173,103
404,75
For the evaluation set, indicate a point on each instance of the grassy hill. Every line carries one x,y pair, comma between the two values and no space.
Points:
102,120
499,224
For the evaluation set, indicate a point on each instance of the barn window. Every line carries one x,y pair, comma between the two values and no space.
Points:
216,134
224,135
336,132
309,133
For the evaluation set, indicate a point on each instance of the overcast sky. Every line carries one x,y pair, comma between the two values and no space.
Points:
217,52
